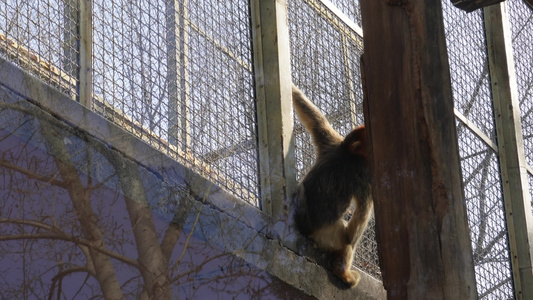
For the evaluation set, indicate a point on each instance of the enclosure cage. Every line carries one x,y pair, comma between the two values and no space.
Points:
186,77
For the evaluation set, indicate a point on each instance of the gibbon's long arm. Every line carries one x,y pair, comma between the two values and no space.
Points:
324,136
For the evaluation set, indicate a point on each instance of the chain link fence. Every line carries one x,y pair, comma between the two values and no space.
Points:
482,188
486,216
325,53
180,72
521,19
179,75
478,151
41,36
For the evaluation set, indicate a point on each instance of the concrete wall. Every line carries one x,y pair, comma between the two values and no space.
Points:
210,241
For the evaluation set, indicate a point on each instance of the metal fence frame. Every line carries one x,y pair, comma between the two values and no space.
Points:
272,71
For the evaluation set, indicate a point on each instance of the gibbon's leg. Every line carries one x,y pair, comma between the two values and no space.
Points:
342,263
331,237
359,221
323,134
342,260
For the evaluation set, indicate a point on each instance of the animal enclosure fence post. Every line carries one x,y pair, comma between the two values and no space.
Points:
86,53
274,105
513,165
70,45
178,75
421,226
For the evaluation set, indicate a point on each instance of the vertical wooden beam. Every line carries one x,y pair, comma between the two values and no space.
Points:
513,165
177,38
71,20
274,106
86,54
421,225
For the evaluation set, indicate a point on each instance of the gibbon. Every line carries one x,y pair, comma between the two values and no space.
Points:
339,178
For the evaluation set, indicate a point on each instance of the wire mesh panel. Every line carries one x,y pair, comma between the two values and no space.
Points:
486,216
41,36
350,8
129,62
325,59
479,162
521,19
179,74
469,66
325,64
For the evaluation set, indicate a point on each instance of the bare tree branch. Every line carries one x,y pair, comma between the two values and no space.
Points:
32,175
64,237
63,273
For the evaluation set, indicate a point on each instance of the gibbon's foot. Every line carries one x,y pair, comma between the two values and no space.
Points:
350,277
342,262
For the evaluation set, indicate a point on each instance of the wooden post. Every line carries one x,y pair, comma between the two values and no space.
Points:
70,44
86,54
177,38
274,105
421,226
513,165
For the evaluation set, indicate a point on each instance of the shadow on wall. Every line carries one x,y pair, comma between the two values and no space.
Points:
80,220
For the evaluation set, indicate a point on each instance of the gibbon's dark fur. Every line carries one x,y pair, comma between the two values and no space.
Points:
339,178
